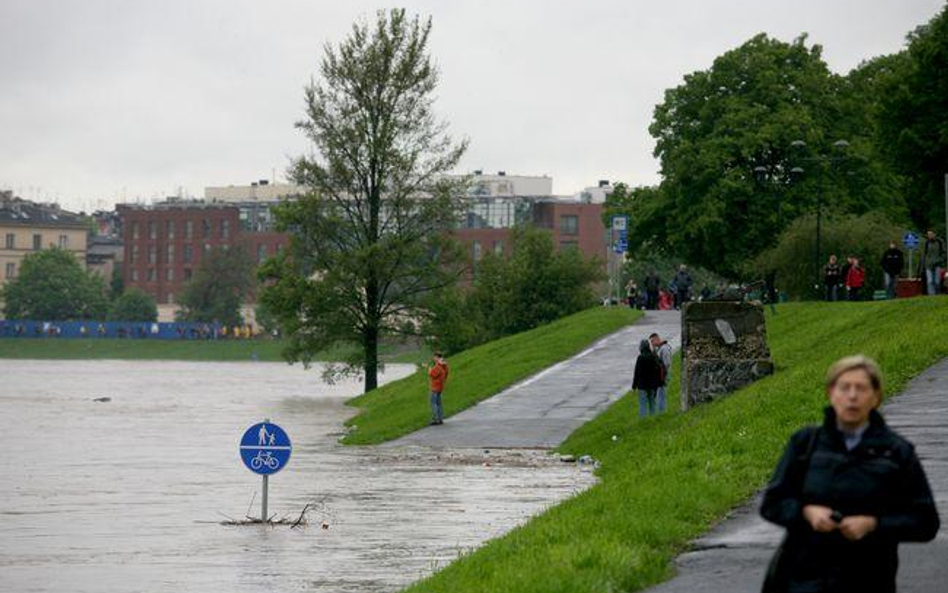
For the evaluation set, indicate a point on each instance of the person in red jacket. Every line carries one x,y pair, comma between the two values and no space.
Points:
855,278
437,377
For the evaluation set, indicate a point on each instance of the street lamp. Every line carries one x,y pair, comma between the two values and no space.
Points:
822,160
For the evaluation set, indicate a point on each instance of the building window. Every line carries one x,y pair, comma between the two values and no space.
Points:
37,242
261,252
151,274
569,224
133,257
225,229
11,241
188,229
152,230
169,229
188,253
134,275
11,270
498,247
152,254
187,273
135,230
169,254
205,228
476,251
64,241
169,274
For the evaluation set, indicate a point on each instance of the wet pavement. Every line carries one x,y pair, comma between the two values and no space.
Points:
129,494
734,556
541,411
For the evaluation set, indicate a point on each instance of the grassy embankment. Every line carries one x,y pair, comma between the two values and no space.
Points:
401,407
193,350
667,479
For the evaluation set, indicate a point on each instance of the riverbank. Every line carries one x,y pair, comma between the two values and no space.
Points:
667,479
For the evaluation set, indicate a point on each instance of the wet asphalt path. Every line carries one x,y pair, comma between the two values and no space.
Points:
733,557
541,411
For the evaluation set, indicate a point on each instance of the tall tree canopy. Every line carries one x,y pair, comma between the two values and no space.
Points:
725,140
222,282
52,285
370,240
913,120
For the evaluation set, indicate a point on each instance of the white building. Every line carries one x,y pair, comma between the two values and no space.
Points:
258,191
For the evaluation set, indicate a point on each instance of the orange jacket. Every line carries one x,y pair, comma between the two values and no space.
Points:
438,375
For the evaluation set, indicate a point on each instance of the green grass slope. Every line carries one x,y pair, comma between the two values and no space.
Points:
667,479
401,407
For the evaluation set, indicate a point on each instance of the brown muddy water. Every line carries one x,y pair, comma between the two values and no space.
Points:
129,495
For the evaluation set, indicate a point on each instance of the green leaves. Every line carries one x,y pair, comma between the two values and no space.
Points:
220,284
133,305
52,285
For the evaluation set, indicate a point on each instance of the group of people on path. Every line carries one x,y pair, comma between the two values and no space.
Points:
654,296
652,375
851,276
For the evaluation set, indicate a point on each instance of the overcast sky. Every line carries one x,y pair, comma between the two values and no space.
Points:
104,101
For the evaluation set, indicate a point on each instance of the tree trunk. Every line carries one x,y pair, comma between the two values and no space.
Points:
370,343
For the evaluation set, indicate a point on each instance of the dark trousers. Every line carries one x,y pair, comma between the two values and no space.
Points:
651,300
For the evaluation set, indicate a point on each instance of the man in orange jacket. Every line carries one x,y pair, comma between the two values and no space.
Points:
437,377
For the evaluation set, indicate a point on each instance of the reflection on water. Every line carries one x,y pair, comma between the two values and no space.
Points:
128,495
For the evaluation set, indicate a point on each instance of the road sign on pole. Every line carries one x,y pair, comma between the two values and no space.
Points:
910,240
265,449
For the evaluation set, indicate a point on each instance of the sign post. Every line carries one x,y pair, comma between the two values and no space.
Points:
910,240
265,449
620,244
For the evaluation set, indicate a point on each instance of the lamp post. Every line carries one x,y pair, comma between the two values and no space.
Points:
821,160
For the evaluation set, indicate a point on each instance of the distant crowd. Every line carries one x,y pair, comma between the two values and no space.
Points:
125,330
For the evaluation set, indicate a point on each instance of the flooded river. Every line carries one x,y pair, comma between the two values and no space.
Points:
129,494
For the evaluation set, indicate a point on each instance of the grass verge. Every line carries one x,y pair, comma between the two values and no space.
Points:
401,407
667,479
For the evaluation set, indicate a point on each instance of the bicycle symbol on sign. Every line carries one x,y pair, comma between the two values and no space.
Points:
264,458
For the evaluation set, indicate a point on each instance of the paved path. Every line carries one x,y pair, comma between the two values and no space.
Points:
541,411
734,556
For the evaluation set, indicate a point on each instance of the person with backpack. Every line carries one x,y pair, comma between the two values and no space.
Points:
437,377
663,352
933,262
892,261
647,378
848,492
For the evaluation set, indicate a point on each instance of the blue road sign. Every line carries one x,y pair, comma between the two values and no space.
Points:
265,448
621,246
910,240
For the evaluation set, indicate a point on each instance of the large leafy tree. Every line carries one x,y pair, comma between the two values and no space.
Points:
370,240
133,305
725,140
913,120
221,283
52,285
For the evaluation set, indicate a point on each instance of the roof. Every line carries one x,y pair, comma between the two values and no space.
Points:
20,212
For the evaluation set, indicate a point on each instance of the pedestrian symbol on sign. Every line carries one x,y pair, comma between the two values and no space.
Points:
265,448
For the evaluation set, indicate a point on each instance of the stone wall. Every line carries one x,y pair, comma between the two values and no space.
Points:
724,347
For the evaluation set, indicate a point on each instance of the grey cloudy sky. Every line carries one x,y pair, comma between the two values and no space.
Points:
103,100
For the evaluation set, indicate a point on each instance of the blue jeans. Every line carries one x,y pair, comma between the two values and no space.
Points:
646,402
890,284
660,403
931,277
437,412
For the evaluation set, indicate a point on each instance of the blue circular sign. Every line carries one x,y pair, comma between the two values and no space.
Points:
265,448
910,240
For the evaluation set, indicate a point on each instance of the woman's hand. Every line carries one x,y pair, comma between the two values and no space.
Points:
856,527
820,518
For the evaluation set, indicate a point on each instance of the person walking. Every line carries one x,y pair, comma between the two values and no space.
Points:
663,352
933,262
437,377
652,284
683,284
847,492
892,261
855,278
647,378
832,278
632,294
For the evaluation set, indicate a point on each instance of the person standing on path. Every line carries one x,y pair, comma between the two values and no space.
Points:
652,284
847,492
663,351
437,377
892,261
855,278
632,294
683,284
933,262
832,278
647,378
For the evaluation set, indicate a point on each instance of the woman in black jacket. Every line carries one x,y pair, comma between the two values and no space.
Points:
647,378
848,492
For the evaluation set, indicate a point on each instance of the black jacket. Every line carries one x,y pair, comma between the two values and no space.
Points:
881,477
832,274
648,372
892,261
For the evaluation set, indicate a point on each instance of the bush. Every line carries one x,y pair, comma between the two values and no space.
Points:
53,286
133,305
865,237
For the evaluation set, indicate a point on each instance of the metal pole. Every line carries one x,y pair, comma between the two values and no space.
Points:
819,221
946,208
263,500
